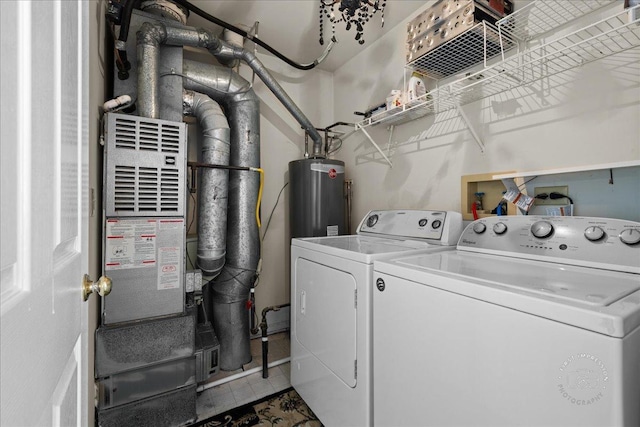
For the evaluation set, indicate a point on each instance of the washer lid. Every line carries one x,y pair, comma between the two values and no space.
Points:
364,248
599,300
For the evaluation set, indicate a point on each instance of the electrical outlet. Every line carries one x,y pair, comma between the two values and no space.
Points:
562,189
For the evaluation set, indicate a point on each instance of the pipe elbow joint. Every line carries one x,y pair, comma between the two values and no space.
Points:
227,51
151,34
207,40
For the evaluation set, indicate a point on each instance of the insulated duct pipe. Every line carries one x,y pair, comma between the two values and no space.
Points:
214,183
228,51
230,290
150,36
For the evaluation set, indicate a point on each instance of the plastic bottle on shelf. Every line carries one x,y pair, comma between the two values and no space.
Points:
634,13
417,89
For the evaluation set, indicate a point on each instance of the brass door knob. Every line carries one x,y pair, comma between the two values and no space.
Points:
101,287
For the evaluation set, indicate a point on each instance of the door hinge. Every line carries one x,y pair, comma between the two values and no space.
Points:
355,299
355,369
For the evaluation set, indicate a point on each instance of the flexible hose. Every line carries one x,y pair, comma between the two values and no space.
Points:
259,194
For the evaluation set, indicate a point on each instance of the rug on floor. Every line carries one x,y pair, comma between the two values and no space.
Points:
285,408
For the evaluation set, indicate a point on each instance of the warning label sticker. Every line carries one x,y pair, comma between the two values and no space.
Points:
169,270
130,244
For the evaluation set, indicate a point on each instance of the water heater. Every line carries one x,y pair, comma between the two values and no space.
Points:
316,202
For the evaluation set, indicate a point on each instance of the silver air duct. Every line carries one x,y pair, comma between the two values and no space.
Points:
214,183
230,290
228,51
152,35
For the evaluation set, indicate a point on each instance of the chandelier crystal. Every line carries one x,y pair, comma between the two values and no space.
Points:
354,13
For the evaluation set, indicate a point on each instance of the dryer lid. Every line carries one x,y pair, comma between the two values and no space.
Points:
364,248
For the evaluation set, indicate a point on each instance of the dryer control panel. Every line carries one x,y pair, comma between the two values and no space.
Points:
437,227
594,242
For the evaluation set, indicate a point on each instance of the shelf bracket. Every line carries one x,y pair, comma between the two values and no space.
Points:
391,129
468,123
359,127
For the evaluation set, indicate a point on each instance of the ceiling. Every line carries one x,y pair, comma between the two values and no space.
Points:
292,26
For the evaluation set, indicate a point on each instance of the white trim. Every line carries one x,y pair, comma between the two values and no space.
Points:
625,164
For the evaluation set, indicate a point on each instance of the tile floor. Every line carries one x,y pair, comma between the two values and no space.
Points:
229,395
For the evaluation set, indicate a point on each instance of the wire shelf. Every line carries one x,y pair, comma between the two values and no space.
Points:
476,45
539,17
599,40
609,36
424,105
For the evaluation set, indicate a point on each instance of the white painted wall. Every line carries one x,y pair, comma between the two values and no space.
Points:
282,140
589,115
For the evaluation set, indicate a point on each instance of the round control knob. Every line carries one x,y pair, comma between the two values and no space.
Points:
630,236
500,228
372,220
542,229
422,222
593,234
479,228
436,224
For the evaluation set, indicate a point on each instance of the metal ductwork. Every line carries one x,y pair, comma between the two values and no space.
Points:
214,183
152,35
230,290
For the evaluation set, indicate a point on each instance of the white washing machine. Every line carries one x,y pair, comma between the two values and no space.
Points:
531,321
331,287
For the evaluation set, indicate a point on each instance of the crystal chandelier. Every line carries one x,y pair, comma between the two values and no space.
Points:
351,12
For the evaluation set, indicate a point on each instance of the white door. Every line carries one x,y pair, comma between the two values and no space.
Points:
44,225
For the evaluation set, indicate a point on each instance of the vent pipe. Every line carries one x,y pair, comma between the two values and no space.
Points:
150,36
230,291
214,183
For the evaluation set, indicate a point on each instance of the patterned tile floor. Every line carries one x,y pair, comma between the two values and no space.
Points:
238,392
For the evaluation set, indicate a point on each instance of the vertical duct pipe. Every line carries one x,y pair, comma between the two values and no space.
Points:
231,289
214,183
148,51
227,51
187,36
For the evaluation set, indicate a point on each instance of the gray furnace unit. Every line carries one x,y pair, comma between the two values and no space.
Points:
144,242
316,205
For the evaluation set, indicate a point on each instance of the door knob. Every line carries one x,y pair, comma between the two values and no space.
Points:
102,286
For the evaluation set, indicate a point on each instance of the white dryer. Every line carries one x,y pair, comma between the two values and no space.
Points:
532,321
331,287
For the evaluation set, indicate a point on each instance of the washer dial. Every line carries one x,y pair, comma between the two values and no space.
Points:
594,233
372,220
542,229
500,228
479,227
630,236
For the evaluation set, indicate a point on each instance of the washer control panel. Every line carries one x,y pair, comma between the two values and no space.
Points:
438,227
573,240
